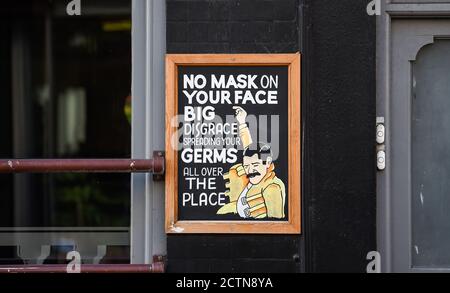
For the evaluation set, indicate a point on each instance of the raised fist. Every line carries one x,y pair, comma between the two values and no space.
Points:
241,114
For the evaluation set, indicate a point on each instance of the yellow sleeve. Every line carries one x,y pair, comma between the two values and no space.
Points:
244,134
274,199
229,208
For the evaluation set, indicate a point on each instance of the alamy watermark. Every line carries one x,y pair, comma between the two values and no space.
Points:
74,266
74,8
374,8
374,266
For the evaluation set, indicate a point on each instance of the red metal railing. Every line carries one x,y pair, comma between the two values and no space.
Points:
157,267
155,166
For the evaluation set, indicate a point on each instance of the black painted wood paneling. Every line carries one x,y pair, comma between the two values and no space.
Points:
337,40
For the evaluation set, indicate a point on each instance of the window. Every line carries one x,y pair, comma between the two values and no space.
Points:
66,83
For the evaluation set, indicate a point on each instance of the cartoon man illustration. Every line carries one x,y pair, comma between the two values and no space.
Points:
254,190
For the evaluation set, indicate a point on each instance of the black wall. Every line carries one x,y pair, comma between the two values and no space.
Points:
6,186
337,40
339,170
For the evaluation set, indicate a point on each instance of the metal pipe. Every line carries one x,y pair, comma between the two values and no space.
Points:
155,165
157,267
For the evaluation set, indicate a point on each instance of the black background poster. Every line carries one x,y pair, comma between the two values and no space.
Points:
209,143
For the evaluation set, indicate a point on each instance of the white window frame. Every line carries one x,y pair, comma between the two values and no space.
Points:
148,236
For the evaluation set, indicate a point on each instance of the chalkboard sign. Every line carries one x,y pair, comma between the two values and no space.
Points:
233,143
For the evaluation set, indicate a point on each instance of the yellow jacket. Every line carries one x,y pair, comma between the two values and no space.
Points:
266,199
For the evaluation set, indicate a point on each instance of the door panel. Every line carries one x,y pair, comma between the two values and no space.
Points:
419,144
430,130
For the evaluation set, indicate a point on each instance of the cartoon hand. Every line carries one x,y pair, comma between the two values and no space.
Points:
241,114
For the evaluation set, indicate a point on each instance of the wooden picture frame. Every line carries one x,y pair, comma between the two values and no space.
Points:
293,224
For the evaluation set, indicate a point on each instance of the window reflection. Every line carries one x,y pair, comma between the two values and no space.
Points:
66,84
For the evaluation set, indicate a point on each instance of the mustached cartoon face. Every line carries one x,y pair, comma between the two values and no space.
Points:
255,168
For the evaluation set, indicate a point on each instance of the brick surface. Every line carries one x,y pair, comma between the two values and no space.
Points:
232,26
